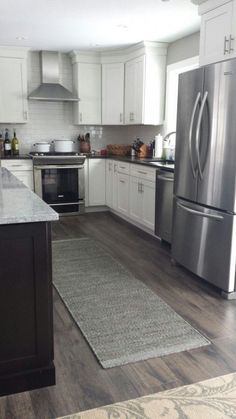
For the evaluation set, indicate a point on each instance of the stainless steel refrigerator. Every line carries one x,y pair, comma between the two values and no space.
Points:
204,221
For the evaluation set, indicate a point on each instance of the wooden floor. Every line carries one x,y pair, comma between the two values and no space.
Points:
81,382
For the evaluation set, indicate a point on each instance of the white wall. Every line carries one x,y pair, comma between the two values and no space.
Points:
184,48
53,120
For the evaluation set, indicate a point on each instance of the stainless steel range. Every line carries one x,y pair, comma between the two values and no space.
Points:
59,181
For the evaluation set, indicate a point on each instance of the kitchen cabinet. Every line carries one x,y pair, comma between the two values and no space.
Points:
142,202
136,199
144,89
97,182
109,182
148,204
13,86
22,169
113,94
123,194
217,36
87,85
26,349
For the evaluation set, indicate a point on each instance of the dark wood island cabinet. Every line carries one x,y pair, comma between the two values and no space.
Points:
26,324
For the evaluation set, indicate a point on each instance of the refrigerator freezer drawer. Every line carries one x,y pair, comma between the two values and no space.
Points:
204,242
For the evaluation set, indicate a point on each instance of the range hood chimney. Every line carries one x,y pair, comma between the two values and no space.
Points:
50,89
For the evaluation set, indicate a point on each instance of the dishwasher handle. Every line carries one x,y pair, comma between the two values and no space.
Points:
165,178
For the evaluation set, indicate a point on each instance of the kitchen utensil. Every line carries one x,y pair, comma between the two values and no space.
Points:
42,147
63,146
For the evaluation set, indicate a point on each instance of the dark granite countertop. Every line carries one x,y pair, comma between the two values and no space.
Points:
20,157
151,162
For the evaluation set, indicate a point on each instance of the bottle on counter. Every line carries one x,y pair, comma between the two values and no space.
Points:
15,145
7,144
1,145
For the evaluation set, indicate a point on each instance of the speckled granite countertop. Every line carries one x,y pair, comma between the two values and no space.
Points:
18,204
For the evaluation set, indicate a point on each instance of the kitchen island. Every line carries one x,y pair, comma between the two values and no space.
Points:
26,328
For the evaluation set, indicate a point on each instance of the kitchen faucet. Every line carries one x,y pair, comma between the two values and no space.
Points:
168,135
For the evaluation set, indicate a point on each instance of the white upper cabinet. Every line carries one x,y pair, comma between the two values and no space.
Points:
113,94
124,86
217,31
13,86
134,90
87,77
145,86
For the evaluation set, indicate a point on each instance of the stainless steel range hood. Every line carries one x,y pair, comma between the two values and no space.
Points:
51,90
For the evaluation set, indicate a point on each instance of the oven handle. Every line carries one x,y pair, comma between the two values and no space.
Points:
56,166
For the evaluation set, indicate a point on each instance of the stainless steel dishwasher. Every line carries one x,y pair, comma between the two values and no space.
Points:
164,204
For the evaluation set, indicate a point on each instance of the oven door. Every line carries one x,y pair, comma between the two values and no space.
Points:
60,185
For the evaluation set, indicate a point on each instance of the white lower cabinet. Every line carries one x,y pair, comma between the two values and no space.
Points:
22,169
148,204
135,199
97,182
123,194
142,201
115,186
109,183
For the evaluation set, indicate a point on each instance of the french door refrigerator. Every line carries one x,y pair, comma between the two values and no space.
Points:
204,221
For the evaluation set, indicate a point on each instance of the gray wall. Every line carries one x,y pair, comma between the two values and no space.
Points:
183,48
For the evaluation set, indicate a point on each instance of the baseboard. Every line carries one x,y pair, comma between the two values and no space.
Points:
27,380
97,208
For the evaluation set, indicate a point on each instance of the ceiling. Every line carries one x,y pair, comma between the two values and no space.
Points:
64,25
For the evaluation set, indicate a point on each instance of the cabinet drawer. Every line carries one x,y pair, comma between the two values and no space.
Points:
17,165
143,172
124,168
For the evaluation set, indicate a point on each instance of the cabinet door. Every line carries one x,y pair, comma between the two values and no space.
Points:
215,34
97,178
13,90
112,93
148,204
115,185
109,183
88,109
123,194
134,90
135,199
26,177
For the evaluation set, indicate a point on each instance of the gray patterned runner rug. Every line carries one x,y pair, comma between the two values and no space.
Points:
121,318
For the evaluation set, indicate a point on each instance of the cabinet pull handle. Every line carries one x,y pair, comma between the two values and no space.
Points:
122,167
121,117
80,117
142,173
231,44
122,181
25,115
226,45
131,116
141,188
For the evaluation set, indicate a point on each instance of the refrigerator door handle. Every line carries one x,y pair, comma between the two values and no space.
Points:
191,132
198,133
199,213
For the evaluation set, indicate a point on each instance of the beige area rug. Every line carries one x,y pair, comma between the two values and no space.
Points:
210,399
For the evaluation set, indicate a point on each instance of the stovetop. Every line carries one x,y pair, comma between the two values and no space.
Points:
56,159
34,153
